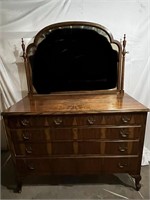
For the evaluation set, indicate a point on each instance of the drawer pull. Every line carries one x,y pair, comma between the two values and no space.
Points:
91,120
124,133
31,166
58,121
122,149
25,122
125,119
29,149
25,136
122,165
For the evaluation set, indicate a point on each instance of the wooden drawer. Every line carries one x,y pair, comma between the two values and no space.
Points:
77,166
75,120
94,147
67,134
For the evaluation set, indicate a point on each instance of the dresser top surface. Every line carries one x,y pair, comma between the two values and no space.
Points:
75,104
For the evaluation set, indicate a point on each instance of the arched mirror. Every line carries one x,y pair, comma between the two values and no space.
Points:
74,56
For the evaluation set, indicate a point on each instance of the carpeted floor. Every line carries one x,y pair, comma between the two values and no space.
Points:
118,186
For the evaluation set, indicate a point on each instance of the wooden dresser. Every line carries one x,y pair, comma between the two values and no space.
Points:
76,133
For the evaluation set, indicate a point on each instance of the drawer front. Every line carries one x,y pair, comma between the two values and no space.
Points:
77,166
68,134
77,148
75,120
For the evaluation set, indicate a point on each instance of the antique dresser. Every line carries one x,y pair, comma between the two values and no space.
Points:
76,119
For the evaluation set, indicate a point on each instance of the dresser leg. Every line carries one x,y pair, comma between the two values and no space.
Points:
18,188
137,181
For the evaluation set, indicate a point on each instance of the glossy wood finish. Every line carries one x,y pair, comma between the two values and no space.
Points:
74,103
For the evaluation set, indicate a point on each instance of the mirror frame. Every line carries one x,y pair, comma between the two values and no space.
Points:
31,48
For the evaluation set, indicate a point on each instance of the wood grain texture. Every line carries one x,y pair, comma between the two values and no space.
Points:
75,104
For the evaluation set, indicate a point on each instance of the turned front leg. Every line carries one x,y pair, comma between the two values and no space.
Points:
18,188
137,181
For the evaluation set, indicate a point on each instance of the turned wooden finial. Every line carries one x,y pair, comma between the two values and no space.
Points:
124,45
123,61
23,49
25,64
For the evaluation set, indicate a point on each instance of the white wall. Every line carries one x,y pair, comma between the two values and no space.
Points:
25,18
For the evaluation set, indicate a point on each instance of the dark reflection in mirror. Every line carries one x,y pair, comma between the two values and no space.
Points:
74,58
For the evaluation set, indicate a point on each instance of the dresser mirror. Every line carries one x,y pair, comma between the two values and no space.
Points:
74,56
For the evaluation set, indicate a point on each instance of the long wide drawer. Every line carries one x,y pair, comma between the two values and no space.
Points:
80,165
67,134
77,148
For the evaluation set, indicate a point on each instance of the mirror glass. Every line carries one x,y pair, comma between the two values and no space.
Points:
73,58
